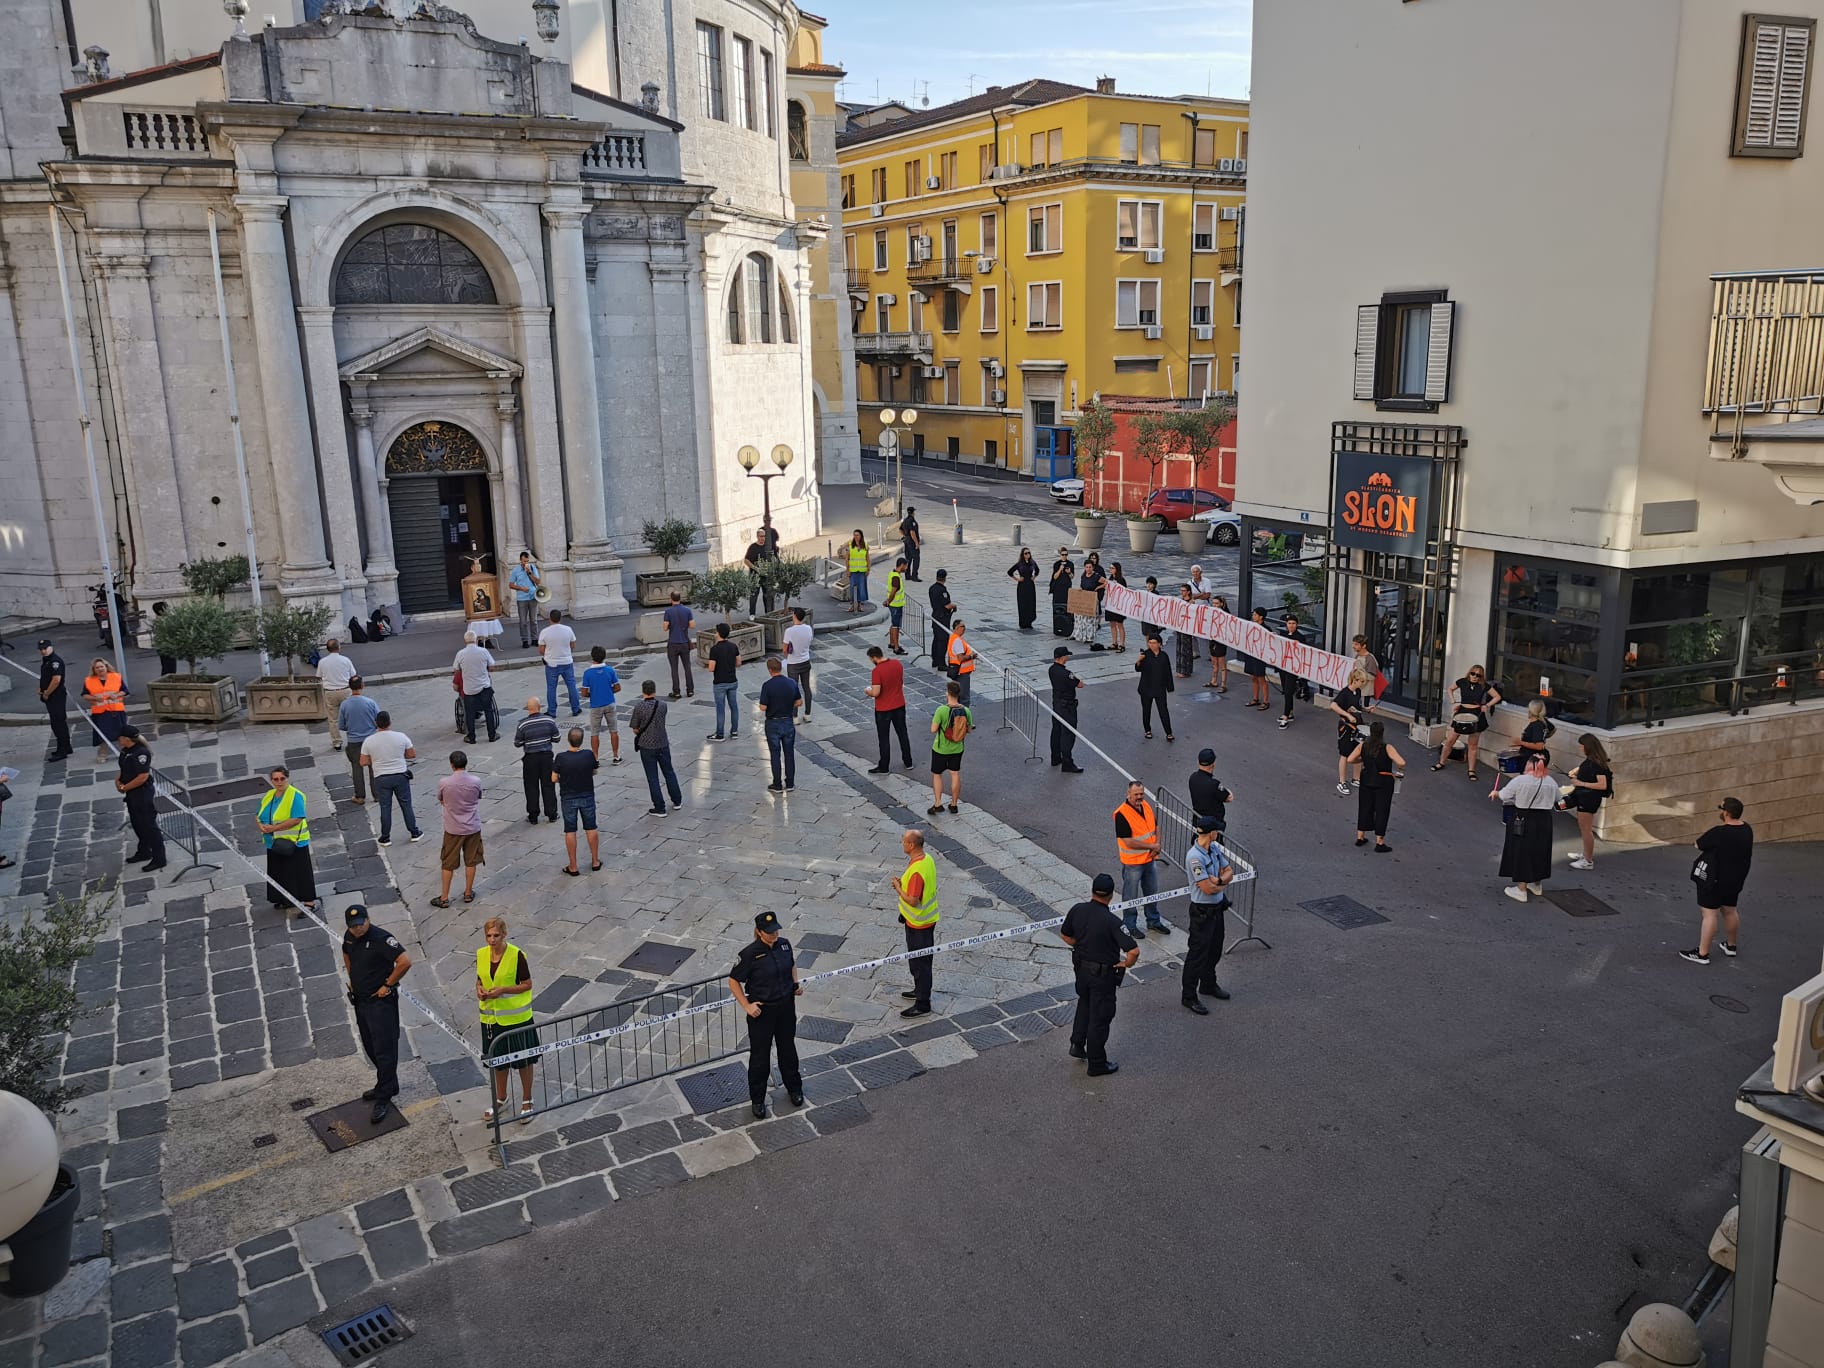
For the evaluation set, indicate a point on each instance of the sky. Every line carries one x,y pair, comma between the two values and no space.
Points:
947,49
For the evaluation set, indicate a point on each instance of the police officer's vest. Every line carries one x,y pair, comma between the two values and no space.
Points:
1142,824
896,590
282,807
962,660
858,560
924,912
509,1009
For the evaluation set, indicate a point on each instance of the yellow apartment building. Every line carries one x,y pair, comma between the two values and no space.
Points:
1015,253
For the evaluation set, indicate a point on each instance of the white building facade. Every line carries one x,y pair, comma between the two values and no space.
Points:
481,298
1482,296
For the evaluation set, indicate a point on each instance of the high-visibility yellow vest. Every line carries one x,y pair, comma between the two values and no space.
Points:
282,807
924,912
509,1009
1142,824
858,560
960,654
896,590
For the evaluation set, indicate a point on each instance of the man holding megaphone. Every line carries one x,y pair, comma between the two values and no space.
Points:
528,586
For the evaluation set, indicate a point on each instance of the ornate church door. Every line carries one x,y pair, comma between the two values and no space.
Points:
441,512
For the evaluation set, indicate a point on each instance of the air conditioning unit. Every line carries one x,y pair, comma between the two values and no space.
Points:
1230,213
898,371
996,369
1154,333
997,397
934,372
934,182
1155,255
877,210
1205,331
1241,166
1005,171
888,298
924,245
1226,166
985,265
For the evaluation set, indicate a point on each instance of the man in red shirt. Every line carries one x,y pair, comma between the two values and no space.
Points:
887,687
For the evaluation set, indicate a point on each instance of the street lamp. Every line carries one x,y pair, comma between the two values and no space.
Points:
749,456
892,423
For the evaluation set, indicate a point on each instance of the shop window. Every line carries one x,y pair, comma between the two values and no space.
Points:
1547,625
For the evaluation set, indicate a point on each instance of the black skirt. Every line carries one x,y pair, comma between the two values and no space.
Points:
288,865
1526,854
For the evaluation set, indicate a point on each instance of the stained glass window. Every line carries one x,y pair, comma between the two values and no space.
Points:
412,263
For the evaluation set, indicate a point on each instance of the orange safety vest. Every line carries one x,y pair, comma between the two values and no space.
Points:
109,685
960,655
1142,824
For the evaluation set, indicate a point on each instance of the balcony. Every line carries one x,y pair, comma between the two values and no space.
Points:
942,270
892,346
1764,387
858,281
1228,261
1227,172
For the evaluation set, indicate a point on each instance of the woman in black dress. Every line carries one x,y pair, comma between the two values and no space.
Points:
1381,766
1063,579
1592,783
1024,573
1117,622
1219,654
1259,694
1155,670
1475,699
1187,644
285,832
1526,854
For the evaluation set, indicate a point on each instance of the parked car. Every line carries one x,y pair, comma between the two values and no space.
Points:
1225,525
1175,505
1066,491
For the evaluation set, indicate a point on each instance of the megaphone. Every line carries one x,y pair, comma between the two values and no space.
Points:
541,594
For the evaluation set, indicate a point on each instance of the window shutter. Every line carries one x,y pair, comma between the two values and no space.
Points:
1775,86
1437,354
1367,339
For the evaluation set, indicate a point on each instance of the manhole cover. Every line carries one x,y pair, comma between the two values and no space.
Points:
656,958
298,1104
357,1340
1729,1004
1579,902
349,1124
714,1089
1343,913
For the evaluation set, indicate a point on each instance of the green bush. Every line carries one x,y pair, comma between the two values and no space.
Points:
785,577
1091,438
721,590
668,539
38,999
201,629
292,630
217,576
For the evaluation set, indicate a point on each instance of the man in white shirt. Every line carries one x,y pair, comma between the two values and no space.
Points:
557,646
386,754
334,670
798,656
477,687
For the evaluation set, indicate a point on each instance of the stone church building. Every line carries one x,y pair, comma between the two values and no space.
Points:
524,278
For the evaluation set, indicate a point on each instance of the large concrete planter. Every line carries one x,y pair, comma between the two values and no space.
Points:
1142,533
286,700
775,625
1193,536
654,587
204,698
748,637
41,1248
1089,533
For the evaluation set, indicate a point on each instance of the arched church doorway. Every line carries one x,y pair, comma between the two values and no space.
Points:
439,504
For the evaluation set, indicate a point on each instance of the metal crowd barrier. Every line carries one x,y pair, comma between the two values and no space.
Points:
1176,832
177,821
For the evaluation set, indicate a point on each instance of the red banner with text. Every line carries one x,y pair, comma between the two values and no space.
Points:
1238,634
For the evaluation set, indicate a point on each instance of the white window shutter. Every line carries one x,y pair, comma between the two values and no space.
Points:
1437,354
1367,341
1789,104
1776,81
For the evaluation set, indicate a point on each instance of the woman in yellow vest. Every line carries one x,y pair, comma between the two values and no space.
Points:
503,986
285,832
106,693
858,572
917,890
896,603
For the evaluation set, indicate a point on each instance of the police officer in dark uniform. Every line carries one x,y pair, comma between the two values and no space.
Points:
1102,951
375,962
1064,686
941,612
135,783
765,982
51,674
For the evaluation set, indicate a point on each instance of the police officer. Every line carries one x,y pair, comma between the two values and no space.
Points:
375,962
135,783
51,673
1101,951
1207,867
941,612
1064,686
764,982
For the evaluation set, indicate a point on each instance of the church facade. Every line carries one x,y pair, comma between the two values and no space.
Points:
475,304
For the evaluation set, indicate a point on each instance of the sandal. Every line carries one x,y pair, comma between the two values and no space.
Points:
440,902
525,1112
487,1117
594,867
1435,768
1472,776
1149,736
953,807
468,897
6,863
573,873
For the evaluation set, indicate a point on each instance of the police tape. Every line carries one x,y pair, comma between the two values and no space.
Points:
865,966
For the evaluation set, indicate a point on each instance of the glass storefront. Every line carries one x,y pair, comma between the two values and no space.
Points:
1548,626
1284,571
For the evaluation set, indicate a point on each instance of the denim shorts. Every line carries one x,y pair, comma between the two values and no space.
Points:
898,615
579,806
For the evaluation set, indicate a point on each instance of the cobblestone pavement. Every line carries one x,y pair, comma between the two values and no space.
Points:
209,1222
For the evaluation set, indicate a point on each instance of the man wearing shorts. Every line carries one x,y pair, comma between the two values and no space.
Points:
459,795
600,685
947,750
574,774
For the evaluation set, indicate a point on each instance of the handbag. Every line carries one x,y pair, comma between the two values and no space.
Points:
5,791
1700,870
1464,721
1380,683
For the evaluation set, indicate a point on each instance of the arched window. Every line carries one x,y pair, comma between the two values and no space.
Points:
788,332
754,290
412,263
757,276
797,131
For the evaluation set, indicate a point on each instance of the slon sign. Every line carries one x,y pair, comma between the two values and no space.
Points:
1382,503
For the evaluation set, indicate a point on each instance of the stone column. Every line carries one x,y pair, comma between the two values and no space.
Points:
341,500
266,267
513,538
382,571
595,570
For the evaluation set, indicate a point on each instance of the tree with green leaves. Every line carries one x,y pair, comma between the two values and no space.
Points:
722,590
783,578
1092,439
1197,432
216,576
1152,442
291,630
202,628
668,539
38,998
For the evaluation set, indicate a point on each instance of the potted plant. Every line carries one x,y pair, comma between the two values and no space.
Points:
1196,432
782,578
36,1012
289,630
667,540
1152,439
1091,439
723,592
202,629
224,579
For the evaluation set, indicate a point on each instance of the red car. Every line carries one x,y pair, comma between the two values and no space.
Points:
1175,505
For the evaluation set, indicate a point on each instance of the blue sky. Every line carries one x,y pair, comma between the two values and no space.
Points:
958,47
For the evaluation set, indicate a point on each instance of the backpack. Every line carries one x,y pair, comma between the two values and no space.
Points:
356,632
957,726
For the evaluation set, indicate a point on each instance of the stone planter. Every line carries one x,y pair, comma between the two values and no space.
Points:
41,1248
1193,536
1089,533
203,698
775,625
654,587
286,700
1142,533
748,637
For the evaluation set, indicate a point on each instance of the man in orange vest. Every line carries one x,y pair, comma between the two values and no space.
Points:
1137,842
962,661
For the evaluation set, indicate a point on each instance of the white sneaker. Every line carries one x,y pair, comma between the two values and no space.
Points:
1581,863
1516,892
1537,890
1343,789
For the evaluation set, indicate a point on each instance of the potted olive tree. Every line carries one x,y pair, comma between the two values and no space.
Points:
667,540
1152,439
224,579
1196,432
291,631
202,629
1092,438
783,578
723,592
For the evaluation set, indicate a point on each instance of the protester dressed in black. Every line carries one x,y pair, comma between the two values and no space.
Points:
1024,573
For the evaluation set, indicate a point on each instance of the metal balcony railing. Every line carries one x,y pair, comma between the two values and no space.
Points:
941,268
1766,349
858,280
881,344
1229,258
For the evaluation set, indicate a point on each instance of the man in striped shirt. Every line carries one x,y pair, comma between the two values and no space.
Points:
536,738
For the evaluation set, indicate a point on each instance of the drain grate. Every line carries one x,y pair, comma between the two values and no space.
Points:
655,957
261,1141
1346,914
1579,902
1729,1004
357,1340
299,1104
